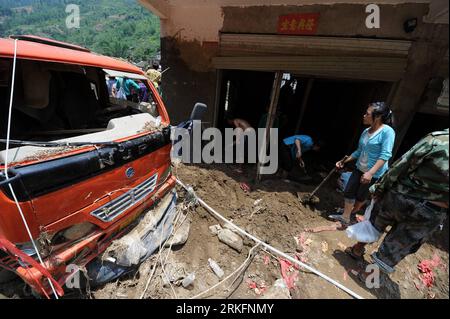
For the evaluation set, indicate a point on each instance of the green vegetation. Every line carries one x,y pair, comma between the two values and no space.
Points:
119,28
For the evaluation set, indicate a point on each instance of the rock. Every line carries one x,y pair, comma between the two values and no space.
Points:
230,227
215,229
174,273
233,240
181,235
257,202
122,295
188,281
279,290
324,246
215,268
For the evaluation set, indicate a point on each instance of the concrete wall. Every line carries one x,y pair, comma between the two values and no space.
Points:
190,78
335,20
201,20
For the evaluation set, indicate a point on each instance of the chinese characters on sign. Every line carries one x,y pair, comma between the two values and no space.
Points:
303,23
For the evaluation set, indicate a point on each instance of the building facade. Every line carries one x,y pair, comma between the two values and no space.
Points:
347,50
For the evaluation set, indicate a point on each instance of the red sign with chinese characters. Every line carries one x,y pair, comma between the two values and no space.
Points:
302,23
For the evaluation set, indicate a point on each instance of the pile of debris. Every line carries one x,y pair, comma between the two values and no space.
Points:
212,259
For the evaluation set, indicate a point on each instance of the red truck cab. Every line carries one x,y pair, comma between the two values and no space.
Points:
82,164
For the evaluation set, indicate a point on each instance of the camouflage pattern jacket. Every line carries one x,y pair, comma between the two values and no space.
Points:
422,172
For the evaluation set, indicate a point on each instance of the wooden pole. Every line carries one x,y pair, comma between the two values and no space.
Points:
270,119
304,104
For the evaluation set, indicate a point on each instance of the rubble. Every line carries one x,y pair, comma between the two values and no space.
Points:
257,202
289,273
216,268
426,268
174,273
279,290
324,246
215,229
181,236
233,240
230,227
188,281
44,154
259,289
258,280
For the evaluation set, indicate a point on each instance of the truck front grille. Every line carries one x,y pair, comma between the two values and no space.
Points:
118,206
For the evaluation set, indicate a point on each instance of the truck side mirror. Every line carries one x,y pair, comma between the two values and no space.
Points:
198,111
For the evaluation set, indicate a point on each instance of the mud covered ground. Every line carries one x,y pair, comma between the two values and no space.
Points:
279,219
272,212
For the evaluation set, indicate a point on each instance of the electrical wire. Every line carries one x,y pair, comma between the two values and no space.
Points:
242,266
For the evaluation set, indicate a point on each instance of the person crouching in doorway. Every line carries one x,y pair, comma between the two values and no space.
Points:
292,149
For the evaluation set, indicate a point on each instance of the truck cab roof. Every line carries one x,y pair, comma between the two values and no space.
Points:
43,49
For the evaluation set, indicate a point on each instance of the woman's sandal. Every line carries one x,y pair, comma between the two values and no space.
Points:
341,219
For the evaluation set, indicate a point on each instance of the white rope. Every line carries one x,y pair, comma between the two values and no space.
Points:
241,267
148,281
6,167
272,249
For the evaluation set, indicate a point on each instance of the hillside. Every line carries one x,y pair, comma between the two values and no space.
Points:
119,28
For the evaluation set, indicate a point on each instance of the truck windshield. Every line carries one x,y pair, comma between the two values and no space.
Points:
55,102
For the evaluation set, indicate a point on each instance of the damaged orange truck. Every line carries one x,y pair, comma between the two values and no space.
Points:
78,166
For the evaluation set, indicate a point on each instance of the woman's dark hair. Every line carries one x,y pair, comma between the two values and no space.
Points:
380,109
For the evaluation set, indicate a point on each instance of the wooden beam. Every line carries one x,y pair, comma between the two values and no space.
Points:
270,119
304,104
232,44
219,78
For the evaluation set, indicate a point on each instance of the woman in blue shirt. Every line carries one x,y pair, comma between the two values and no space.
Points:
372,156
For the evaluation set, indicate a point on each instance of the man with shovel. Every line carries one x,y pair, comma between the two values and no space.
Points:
292,149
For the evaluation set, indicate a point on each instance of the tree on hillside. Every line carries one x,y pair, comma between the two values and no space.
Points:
120,28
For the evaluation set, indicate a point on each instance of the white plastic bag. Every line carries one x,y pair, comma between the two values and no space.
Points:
121,94
364,231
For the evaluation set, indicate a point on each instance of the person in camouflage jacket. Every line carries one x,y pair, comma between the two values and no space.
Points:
412,197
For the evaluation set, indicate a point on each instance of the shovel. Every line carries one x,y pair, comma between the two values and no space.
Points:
311,198
306,177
